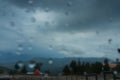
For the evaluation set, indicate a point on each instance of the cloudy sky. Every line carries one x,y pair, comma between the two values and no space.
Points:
60,28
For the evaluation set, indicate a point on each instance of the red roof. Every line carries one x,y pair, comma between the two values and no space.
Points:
112,65
37,72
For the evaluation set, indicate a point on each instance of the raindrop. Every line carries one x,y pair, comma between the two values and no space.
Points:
72,32
30,1
46,9
12,23
67,13
27,11
47,23
13,14
31,39
50,61
64,51
69,4
53,23
38,26
33,19
50,47
20,48
20,64
85,73
109,41
30,48
32,64
67,25
97,32
118,50
111,19
18,53
115,72
4,13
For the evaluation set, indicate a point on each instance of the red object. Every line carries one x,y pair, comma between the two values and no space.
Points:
37,72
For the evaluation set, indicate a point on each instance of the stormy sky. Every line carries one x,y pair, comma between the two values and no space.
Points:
60,28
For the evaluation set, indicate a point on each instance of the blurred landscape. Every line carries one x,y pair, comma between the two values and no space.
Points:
58,63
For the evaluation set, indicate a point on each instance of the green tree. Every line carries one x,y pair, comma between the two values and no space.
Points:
82,68
16,66
106,65
24,70
97,67
117,68
1,71
66,70
87,67
73,66
38,66
79,67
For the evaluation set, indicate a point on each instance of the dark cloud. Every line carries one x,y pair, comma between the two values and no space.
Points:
83,17
85,12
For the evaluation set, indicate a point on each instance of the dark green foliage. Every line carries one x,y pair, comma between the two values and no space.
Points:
47,71
106,65
38,66
24,70
80,68
1,71
73,66
87,67
16,66
117,68
97,67
66,70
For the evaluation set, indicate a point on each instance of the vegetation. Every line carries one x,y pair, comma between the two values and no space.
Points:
106,65
23,69
79,68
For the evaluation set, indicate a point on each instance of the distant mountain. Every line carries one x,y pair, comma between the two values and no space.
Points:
57,65
12,57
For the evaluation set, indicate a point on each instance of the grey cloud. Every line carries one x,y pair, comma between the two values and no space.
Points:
84,15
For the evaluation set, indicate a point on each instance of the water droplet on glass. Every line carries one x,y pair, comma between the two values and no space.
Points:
118,50
50,61
30,48
47,23
72,32
12,23
13,14
18,53
46,9
109,41
115,72
69,4
30,1
32,64
67,13
20,48
64,51
33,19
50,47
31,39
97,32
111,19
53,23
20,64
67,25
4,13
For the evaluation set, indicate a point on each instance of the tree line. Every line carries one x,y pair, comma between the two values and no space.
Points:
80,68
